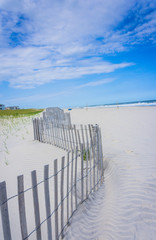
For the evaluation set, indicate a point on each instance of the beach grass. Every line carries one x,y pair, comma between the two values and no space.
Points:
19,113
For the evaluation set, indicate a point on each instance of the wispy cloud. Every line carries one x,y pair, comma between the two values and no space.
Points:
44,41
96,83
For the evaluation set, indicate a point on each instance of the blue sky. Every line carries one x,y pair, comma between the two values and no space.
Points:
70,53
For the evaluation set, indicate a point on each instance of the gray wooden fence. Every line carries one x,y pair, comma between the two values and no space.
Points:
67,137
71,187
57,115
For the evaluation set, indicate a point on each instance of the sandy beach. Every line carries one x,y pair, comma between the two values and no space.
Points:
124,207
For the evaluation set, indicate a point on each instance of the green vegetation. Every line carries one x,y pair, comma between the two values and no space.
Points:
85,155
19,112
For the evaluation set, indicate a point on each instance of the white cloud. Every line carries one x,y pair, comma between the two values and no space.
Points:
54,37
97,83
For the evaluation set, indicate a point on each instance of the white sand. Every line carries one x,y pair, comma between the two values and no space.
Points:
125,206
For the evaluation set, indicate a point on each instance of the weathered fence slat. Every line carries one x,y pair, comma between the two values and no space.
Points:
82,180
68,187
36,205
64,138
87,158
38,132
76,140
21,205
76,177
87,153
53,139
82,133
79,139
73,141
61,133
47,201
4,212
36,129
62,196
97,156
93,153
72,182
70,137
56,198
90,166
67,138
101,156
33,121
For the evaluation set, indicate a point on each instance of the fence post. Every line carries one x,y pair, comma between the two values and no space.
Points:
47,201
62,196
21,205
56,198
4,212
36,204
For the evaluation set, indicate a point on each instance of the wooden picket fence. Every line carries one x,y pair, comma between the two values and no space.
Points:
63,192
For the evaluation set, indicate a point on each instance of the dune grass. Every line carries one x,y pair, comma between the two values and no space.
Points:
19,113
14,123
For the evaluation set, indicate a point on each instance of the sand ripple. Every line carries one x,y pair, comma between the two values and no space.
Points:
124,208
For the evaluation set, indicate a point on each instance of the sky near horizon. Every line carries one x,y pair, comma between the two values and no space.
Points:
70,53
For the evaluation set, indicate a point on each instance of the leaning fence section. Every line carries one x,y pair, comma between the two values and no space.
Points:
55,198
67,137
